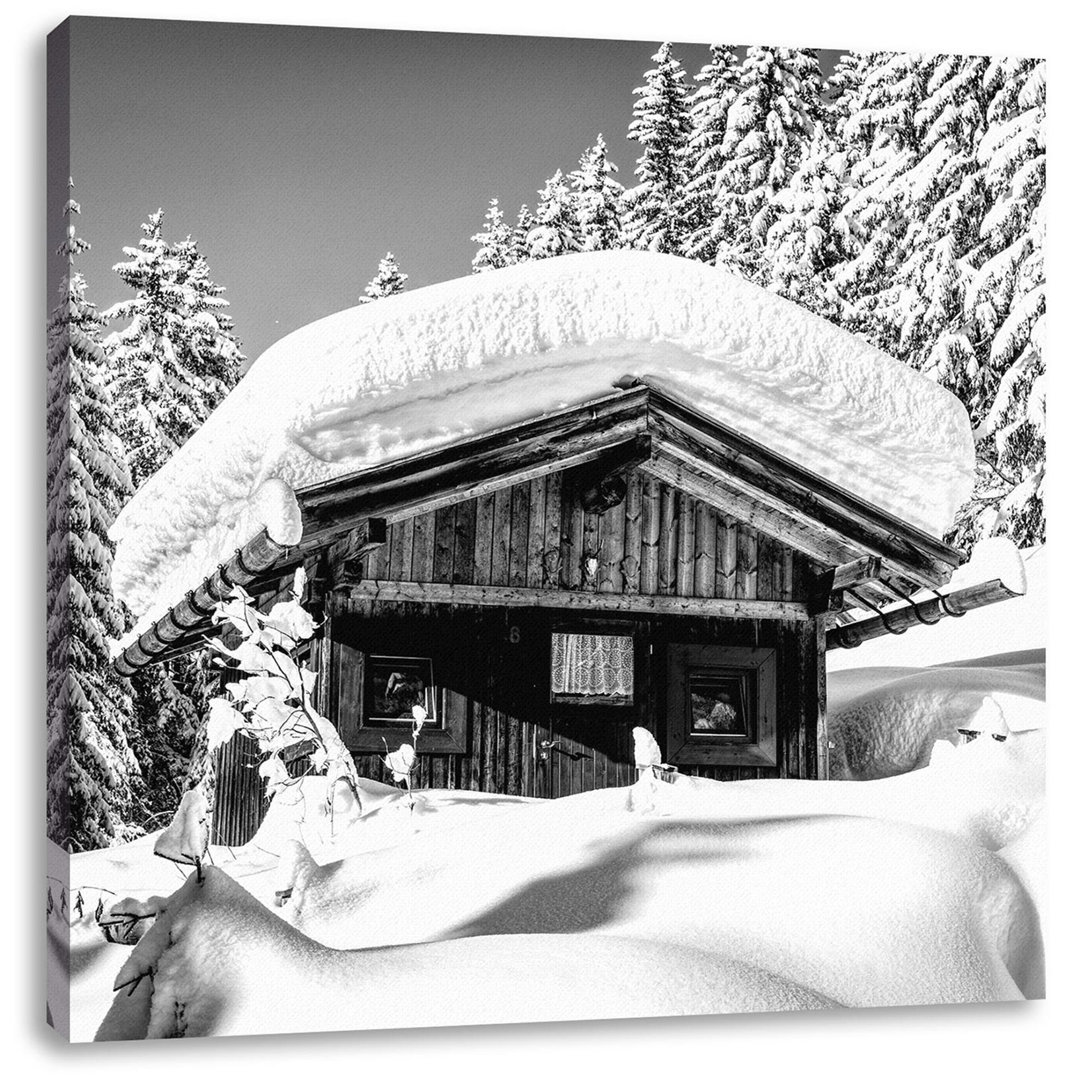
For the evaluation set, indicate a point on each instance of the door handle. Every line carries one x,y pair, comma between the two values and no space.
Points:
547,745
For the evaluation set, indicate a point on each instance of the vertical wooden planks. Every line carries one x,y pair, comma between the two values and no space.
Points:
631,560
519,534
650,537
423,547
704,550
684,563
612,538
444,544
590,550
553,522
746,569
464,542
500,545
534,571
726,556
485,525
667,548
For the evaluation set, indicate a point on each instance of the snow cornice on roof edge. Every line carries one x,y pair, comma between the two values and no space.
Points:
429,368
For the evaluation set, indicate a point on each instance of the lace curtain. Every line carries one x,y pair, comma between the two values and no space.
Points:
599,664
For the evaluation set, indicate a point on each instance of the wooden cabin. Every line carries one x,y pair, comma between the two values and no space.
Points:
704,573
542,588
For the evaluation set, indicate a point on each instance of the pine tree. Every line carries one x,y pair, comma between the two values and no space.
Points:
94,779
493,242
709,105
178,356
389,281
597,194
804,243
1006,305
880,131
769,127
651,211
519,246
556,230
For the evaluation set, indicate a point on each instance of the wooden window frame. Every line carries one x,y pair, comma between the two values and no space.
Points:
689,747
362,736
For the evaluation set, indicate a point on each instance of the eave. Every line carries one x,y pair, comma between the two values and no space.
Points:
640,425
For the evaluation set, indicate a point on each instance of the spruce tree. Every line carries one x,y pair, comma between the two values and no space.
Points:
519,238
651,215
880,131
709,105
493,252
597,195
1006,305
389,281
769,127
556,230
94,780
804,243
178,356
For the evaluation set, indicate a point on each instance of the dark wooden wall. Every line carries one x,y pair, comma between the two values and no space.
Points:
495,661
657,541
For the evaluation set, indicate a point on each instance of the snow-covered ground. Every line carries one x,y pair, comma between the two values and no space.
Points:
923,886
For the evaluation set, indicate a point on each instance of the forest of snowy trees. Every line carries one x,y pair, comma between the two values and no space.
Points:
901,198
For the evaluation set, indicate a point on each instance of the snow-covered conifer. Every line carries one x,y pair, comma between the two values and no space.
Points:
94,779
709,105
769,127
493,242
519,246
177,357
597,195
556,230
803,245
651,216
1006,302
389,281
880,130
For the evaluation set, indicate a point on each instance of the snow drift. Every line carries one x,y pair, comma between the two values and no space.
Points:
660,899
422,369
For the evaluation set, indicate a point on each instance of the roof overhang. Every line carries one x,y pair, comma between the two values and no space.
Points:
638,424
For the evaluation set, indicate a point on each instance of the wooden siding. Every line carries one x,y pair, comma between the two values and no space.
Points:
657,541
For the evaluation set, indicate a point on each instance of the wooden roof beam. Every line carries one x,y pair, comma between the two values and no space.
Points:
827,592
572,600
787,487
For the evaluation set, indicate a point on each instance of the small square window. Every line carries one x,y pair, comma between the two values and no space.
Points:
719,705
592,669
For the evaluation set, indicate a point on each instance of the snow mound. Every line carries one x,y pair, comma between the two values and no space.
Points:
422,369
885,721
666,898
661,915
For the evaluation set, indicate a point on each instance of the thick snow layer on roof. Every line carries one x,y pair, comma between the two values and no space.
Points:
422,369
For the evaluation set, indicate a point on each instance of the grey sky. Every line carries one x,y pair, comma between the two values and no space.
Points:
297,157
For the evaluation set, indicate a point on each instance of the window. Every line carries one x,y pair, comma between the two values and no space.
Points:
395,685
721,703
592,669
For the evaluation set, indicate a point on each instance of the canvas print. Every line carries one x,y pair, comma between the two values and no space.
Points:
539,529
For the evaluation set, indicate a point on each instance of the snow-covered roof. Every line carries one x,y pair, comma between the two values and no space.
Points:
425,368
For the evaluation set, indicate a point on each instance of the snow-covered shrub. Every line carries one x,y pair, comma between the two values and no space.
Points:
271,706
402,761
